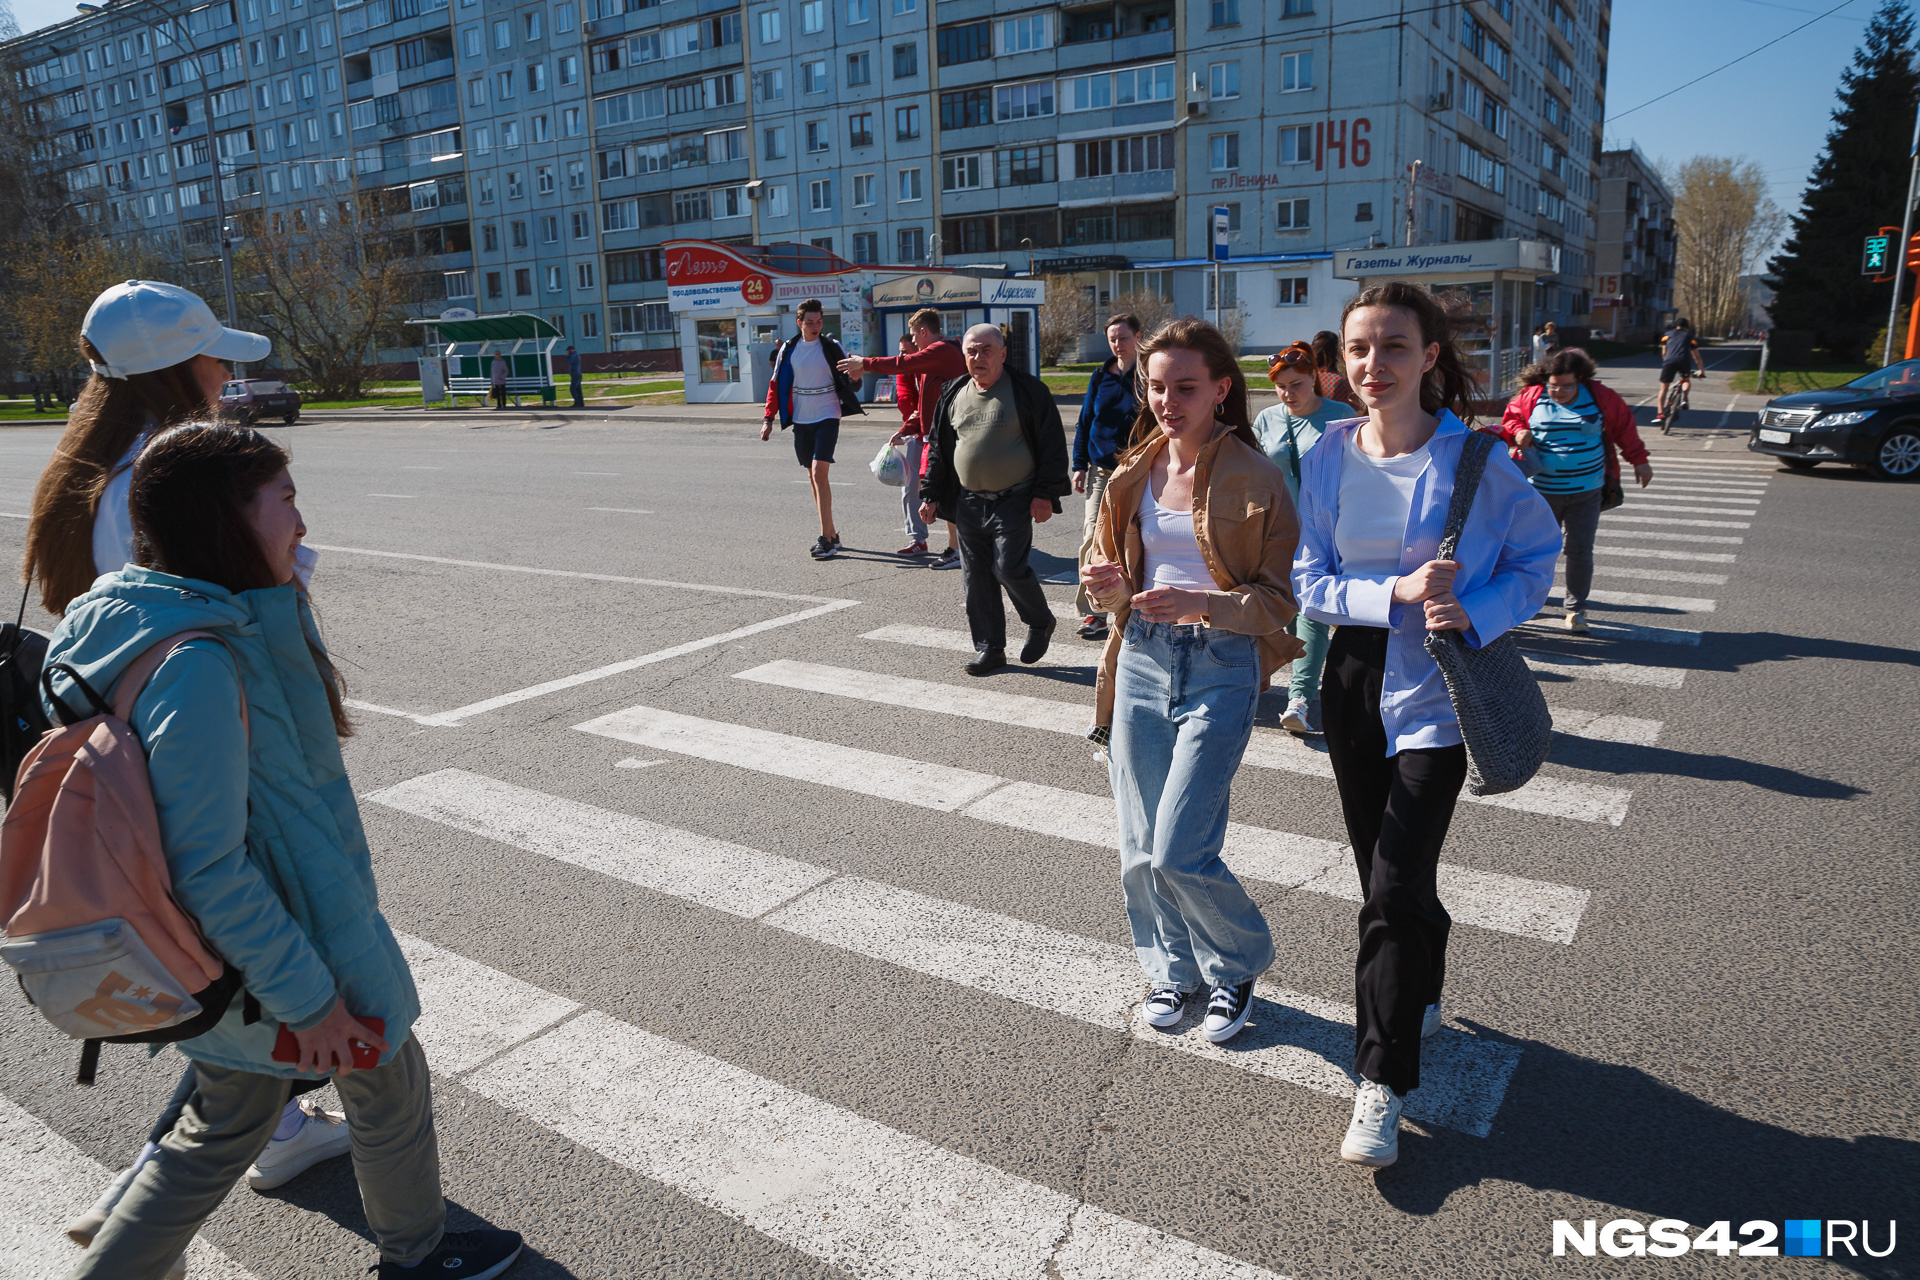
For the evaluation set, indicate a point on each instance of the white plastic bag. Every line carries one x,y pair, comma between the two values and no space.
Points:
889,466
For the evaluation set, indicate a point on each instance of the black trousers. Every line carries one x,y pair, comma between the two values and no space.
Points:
996,534
1397,809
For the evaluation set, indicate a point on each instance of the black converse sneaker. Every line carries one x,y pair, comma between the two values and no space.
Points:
1165,1006
462,1255
1227,1012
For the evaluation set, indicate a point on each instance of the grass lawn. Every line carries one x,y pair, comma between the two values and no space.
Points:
1602,349
23,411
1786,381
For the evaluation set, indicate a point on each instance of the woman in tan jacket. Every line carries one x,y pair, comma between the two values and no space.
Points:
1192,556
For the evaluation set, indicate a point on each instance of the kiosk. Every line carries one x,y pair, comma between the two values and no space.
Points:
1488,283
966,300
464,355
735,303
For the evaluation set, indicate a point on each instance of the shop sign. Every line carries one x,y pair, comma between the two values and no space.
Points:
702,276
927,291
1473,258
1012,293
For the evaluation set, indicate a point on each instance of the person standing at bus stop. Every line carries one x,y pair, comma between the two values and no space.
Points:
498,377
573,377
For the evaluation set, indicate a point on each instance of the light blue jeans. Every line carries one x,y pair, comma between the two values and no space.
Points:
1184,699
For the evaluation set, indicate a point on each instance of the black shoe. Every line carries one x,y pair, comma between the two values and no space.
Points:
1038,638
462,1255
825,548
988,660
1228,1009
947,559
1093,627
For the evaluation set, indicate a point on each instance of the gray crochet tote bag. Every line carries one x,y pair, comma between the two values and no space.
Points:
1503,716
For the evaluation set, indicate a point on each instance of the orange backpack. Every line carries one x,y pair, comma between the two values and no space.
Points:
92,929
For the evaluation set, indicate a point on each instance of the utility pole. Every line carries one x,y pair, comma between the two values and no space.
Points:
1413,184
1900,251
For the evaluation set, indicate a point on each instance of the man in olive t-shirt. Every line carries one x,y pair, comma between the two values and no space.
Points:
1001,493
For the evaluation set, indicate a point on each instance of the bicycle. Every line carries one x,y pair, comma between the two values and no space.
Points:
1672,401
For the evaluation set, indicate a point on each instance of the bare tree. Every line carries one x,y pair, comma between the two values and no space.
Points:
1150,309
1727,224
1233,326
1065,317
331,283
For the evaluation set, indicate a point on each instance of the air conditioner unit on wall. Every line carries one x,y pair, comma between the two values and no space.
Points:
1196,94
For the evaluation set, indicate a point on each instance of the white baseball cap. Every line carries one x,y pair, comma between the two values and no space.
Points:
144,325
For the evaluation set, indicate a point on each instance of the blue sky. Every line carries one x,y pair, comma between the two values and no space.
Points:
1773,108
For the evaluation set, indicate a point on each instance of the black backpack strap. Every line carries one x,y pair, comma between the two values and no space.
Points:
66,713
1466,482
89,1062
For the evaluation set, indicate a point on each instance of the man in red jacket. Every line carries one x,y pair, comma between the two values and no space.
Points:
933,363
1570,427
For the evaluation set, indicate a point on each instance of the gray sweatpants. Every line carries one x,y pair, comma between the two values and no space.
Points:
226,1125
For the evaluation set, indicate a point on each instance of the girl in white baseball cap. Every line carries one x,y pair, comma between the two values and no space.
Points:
157,355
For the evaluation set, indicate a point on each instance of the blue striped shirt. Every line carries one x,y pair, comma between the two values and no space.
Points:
1571,447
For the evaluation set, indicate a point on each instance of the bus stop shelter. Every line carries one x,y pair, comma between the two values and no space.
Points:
462,356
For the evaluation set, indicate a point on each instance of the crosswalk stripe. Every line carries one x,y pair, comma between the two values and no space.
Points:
1657,575
1582,802
1605,727
1688,510
1624,630
1648,600
818,1178
1660,535
1691,524
1579,668
1661,553
44,1180
1048,969
1746,506
1709,487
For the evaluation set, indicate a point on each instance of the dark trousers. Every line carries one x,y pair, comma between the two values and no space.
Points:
1579,517
499,397
995,536
578,401
1397,810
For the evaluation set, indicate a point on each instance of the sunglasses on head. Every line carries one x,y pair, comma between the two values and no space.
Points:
1297,356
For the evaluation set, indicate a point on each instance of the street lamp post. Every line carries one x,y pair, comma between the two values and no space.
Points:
184,28
1900,250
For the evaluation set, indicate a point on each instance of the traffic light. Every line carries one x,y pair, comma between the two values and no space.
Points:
1913,254
1874,261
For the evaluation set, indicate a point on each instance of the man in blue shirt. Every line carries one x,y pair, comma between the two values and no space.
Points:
573,377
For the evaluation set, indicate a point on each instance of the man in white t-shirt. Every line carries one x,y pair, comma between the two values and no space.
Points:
809,393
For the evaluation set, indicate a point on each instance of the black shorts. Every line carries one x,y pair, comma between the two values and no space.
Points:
1681,369
813,441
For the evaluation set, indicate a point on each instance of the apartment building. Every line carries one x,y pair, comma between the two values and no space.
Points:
545,151
1637,241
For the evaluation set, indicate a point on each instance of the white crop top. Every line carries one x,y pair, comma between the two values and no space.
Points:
1173,556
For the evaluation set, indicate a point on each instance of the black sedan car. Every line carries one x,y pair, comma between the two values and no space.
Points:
1870,422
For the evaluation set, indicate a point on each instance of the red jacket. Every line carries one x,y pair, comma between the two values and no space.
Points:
906,394
932,367
1616,423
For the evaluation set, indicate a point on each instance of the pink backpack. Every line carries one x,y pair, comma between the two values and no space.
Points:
92,929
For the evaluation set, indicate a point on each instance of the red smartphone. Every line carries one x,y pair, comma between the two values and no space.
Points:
287,1049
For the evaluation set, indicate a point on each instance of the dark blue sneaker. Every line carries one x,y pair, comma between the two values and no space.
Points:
462,1255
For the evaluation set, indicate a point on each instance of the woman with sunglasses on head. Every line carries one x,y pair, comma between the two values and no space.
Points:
1286,431
1191,555
1374,500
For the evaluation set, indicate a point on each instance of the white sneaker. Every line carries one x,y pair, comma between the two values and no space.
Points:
1294,718
1165,1006
1373,1136
322,1137
1430,1022
1577,622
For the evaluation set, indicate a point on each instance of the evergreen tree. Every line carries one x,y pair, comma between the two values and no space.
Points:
1856,189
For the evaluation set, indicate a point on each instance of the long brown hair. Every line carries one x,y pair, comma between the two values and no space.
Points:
1190,334
191,489
1449,384
107,417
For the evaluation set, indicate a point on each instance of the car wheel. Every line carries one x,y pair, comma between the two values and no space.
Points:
1798,464
292,418
1897,457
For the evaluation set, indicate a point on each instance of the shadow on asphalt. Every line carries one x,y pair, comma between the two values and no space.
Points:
1729,651
330,1189
1622,758
1616,1135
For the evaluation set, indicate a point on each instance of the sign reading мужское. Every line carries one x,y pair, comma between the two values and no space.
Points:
944,290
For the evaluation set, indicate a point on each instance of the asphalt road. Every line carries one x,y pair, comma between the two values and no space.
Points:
822,971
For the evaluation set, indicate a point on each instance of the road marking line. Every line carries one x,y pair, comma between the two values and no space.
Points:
1582,802
1656,535
1648,600
1655,575
1606,728
1621,630
1640,506
1579,668
1727,413
453,989
1697,484
727,877
573,573
956,642
374,708
392,495
625,511
872,1201
1694,524
423,468
44,1180
14,515
1749,506
448,719
1098,983
631,763
597,473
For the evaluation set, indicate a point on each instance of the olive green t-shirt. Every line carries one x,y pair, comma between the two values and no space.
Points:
992,452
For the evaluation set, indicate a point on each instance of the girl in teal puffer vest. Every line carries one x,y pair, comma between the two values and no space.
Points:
264,844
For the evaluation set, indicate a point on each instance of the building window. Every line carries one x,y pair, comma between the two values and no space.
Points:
1294,215
961,173
909,186
543,179
813,17
820,194
502,34
550,229
859,11
866,248
589,322
965,108
1290,291
1363,212
774,143
1023,101
523,282
778,205
691,206
813,76
530,24
862,190
1229,290
968,42
582,225
772,84
1296,144
1026,33
536,77
906,61
1025,166
1224,150
911,243
906,123
769,20
493,284
518,234
860,129
1296,71
1223,13
555,280
1304,9
816,136
583,275
1223,80
859,69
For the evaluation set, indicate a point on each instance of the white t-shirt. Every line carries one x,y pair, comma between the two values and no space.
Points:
1376,497
112,522
1172,552
814,397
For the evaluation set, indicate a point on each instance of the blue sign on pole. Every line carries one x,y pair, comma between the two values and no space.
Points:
1220,233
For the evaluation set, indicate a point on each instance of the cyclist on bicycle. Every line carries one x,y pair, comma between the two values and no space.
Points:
1679,358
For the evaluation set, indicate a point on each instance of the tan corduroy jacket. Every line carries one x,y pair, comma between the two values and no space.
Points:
1247,529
